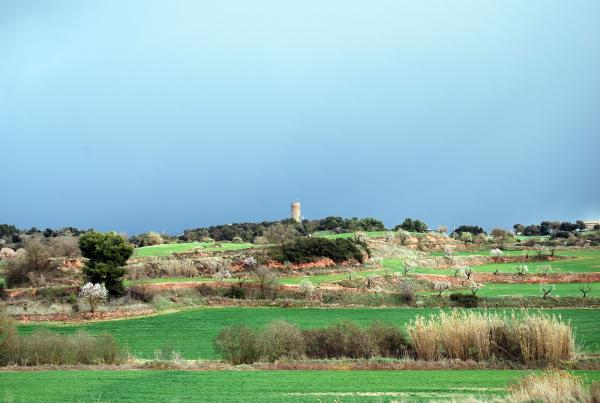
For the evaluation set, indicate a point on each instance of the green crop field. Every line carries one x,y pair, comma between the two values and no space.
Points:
327,234
258,386
168,248
582,261
191,332
532,290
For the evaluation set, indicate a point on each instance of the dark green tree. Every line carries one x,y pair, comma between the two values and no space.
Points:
107,253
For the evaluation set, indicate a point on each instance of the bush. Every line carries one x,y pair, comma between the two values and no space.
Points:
407,292
282,339
553,386
34,258
235,292
465,300
150,239
306,249
344,339
237,239
65,246
479,336
389,340
47,348
306,287
238,344
162,267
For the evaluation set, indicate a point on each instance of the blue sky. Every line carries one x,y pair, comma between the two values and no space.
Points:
150,115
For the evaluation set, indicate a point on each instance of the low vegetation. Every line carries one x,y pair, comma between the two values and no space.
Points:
532,339
43,347
554,386
304,250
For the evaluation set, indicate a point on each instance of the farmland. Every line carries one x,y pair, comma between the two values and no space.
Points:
167,249
264,386
191,332
183,298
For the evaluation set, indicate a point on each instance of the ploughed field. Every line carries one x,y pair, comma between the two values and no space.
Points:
191,332
257,386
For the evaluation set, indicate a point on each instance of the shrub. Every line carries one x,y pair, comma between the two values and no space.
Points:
235,292
553,386
237,239
306,288
479,336
268,282
150,239
407,291
238,344
261,240
308,249
163,267
465,300
344,339
65,246
47,348
282,339
7,253
388,339
33,258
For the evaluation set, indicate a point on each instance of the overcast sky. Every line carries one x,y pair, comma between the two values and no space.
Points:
151,115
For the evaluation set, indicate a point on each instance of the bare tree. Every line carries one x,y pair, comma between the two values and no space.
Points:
500,236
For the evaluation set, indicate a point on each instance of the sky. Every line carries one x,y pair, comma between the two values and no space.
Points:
164,115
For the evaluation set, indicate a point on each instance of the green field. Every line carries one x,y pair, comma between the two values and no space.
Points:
191,332
258,386
582,261
327,234
168,248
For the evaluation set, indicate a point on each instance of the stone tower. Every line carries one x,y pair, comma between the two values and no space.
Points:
296,213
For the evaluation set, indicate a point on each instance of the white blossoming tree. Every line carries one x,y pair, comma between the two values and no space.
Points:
221,275
496,253
441,286
93,294
306,288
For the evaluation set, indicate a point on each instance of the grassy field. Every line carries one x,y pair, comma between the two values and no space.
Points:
191,332
257,386
329,235
582,261
168,248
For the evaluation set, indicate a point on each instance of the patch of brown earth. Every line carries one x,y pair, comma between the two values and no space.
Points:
83,316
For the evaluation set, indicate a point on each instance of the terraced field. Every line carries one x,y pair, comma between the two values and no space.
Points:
169,248
191,332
